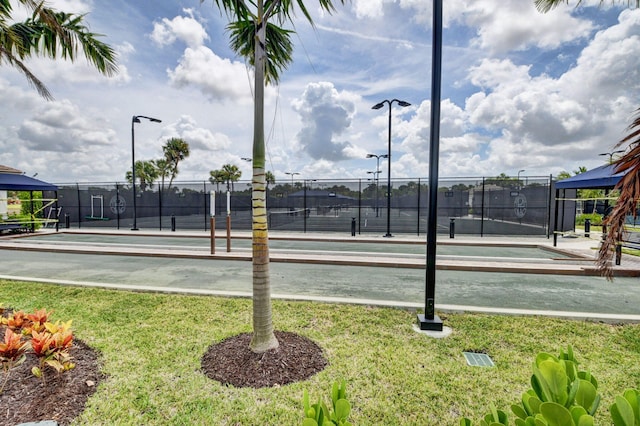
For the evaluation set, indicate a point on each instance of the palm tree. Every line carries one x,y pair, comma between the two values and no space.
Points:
629,185
270,178
49,33
175,150
146,173
230,173
163,169
268,48
217,177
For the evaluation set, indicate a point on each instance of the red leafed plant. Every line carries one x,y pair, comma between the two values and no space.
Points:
17,321
12,353
49,342
37,321
51,346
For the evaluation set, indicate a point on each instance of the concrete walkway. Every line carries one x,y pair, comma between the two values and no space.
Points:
565,284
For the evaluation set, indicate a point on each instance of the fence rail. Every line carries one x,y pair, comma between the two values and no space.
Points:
479,206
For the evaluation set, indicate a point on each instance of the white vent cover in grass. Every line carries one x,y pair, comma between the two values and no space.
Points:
475,359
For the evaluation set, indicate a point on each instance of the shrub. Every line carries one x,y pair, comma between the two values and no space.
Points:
34,333
562,395
320,415
595,218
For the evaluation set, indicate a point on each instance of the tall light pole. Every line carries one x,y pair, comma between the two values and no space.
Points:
431,321
375,179
304,185
292,174
378,106
519,171
611,154
377,176
136,119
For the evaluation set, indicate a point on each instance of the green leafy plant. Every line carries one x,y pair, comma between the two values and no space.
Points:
625,411
562,395
319,414
594,218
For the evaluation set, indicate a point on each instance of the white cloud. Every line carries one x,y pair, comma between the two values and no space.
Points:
62,127
326,114
184,28
198,138
367,9
79,7
215,77
506,25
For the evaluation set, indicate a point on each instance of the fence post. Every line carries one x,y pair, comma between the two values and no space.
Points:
452,227
212,220
173,223
353,226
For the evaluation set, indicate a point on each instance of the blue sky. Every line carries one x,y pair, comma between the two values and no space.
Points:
521,90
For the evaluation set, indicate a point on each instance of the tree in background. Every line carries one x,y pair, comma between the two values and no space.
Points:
629,162
146,173
268,48
175,150
163,169
216,177
270,178
228,174
49,33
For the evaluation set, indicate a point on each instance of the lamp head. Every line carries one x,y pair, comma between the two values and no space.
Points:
371,155
378,106
404,104
155,120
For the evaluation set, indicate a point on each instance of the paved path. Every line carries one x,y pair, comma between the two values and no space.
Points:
391,275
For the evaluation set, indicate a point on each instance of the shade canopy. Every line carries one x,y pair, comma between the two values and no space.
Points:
603,177
16,182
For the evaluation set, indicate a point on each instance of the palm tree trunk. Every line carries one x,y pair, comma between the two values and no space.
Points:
263,337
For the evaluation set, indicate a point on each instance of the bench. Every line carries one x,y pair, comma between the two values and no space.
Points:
13,227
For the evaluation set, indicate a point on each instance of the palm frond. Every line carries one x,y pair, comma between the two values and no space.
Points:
31,78
235,9
627,203
279,47
68,36
545,6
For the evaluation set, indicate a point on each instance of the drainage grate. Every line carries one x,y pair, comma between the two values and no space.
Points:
475,359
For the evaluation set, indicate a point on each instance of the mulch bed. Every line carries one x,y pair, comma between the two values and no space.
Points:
231,362
62,398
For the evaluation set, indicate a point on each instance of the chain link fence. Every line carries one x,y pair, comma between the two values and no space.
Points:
477,206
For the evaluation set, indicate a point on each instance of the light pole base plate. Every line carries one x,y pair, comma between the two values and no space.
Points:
426,324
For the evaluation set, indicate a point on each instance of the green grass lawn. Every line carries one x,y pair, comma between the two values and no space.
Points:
151,345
